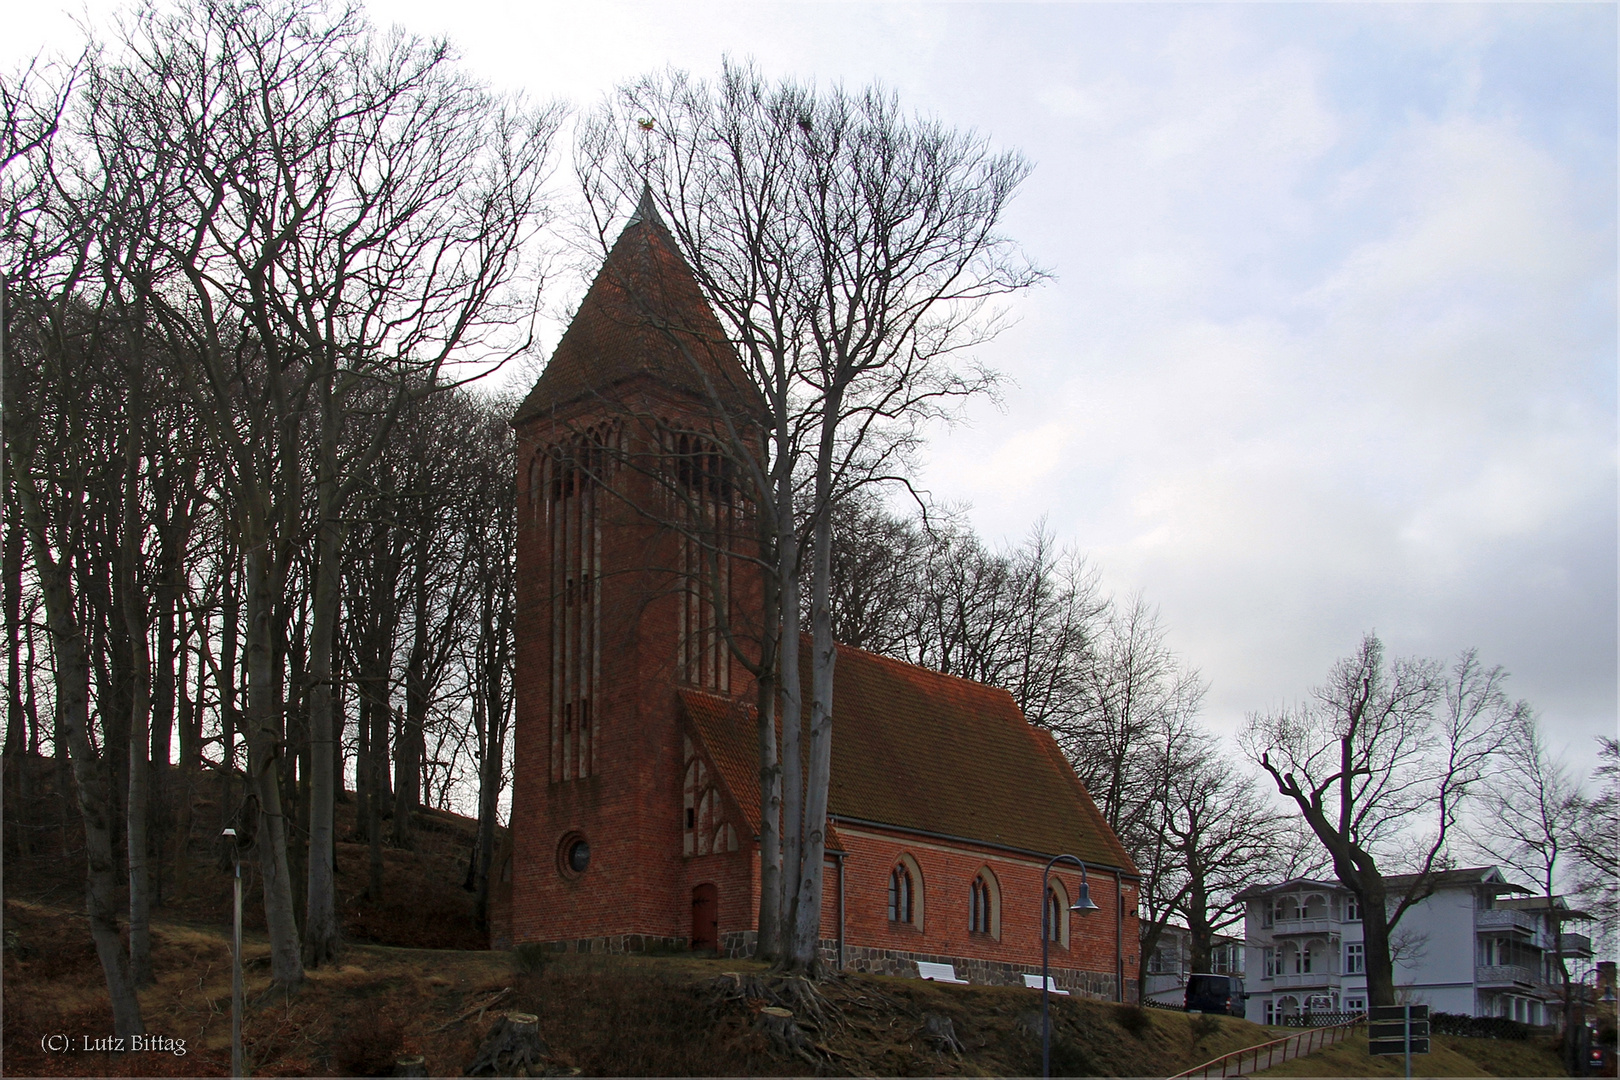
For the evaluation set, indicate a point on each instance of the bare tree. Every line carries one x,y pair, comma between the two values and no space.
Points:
1595,850
344,209
1378,763
58,413
1133,690
1529,811
848,250
1224,836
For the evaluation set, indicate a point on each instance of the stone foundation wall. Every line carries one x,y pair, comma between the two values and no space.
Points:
1092,984
620,943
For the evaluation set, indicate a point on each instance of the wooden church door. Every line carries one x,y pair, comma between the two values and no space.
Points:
706,918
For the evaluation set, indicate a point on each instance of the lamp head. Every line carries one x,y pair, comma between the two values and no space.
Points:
1083,904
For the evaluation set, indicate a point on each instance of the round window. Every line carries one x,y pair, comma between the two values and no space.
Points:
579,856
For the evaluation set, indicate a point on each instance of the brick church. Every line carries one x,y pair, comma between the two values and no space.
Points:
636,805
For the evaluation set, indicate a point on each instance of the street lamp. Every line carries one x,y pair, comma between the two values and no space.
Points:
1084,906
229,835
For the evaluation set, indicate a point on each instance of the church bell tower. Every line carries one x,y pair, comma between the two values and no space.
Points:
631,571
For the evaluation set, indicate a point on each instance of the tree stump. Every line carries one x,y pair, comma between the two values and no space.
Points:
941,1033
778,1023
513,1047
783,1030
411,1066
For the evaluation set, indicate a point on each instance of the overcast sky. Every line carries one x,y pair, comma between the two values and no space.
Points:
1330,344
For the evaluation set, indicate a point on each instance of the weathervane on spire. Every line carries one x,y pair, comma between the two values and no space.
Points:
646,208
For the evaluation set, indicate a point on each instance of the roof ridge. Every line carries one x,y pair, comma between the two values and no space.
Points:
887,659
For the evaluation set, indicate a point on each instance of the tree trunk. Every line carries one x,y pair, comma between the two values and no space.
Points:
190,727
11,559
495,626
408,748
1198,929
320,913
769,942
264,749
73,716
823,657
161,807
1375,935
792,697
320,918
135,621
230,624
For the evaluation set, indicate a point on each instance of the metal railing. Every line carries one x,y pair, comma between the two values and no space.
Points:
1505,975
1315,924
1506,919
1571,944
1322,1019
1252,1059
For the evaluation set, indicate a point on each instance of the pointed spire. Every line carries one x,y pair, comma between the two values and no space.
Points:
646,209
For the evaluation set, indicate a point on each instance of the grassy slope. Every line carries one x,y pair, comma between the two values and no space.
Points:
1450,1056
603,1015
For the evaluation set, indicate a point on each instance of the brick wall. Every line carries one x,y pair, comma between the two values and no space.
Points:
638,887
947,871
628,809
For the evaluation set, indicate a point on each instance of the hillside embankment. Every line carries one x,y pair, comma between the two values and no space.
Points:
603,1015
387,998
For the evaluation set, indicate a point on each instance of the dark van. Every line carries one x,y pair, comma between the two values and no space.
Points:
1219,994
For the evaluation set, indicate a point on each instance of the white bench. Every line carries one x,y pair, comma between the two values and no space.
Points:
1034,983
945,973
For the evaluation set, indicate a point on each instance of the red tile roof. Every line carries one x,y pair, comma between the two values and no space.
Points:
917,750
644,315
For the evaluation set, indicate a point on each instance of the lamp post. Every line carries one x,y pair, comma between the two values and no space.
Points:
1084,906
236,961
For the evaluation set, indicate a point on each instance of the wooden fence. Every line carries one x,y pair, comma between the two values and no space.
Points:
1251,1059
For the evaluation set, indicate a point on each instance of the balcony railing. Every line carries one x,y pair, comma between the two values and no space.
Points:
1316,925
1305,979
1504,975
1574,945
1499,919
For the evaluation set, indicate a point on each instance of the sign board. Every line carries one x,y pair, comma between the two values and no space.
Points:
1389,1027
1395,1047
1397,1012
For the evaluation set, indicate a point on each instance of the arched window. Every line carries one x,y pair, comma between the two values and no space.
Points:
701,490
1056,919
572,475
984,904
906,892
902,895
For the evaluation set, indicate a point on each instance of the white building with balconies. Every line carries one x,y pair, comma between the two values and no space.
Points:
1464,948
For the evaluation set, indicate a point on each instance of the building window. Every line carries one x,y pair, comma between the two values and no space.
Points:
1056,919
702,489
1270,959
984,905
1355,959
573,855
572,476
902,895
1265,912
1355,1005
1352,909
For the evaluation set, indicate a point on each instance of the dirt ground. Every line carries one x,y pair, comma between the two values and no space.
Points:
603,1015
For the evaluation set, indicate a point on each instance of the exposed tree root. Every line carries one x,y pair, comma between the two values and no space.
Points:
790,1010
